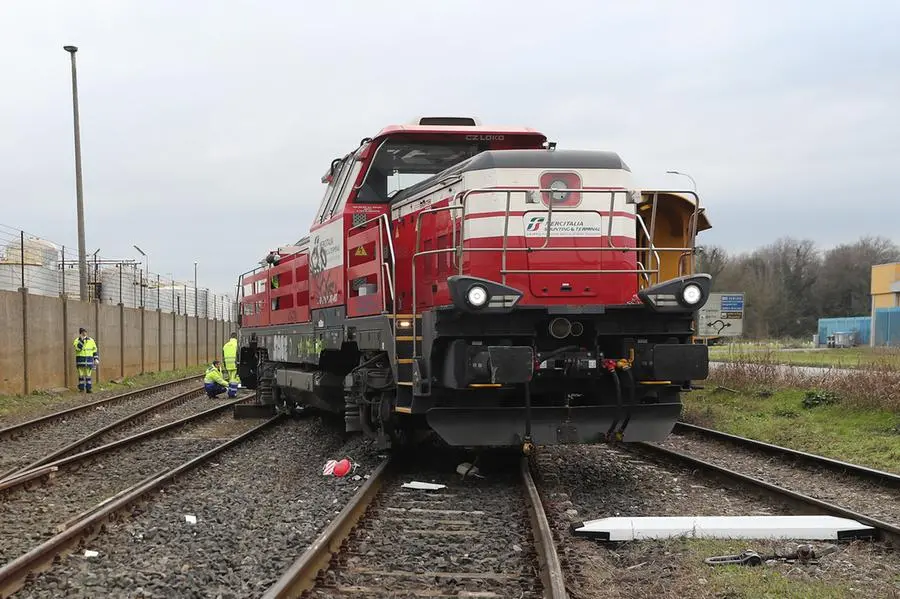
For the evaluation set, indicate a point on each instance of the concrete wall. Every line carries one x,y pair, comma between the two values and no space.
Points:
36,335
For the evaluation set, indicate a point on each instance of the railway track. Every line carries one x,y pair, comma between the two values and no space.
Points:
38,442
48,469
762,483
879,477
88,523
13,429
470,538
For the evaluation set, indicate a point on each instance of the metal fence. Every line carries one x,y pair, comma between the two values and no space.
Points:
43,267
887,327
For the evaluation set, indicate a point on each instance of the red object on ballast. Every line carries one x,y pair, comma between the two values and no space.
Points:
342,468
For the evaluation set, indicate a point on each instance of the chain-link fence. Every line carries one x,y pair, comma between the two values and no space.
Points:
46,268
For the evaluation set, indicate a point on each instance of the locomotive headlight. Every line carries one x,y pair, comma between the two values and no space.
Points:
691,294
477,296
559,192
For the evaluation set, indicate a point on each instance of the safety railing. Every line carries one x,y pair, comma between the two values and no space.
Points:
459,248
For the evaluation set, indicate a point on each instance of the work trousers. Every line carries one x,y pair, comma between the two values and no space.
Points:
84,378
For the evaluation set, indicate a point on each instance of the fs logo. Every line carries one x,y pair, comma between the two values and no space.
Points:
535,222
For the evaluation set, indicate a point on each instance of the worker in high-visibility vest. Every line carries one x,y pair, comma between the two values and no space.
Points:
229,356
213,382
86,359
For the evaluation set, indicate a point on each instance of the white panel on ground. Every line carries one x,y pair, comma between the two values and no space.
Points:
812,528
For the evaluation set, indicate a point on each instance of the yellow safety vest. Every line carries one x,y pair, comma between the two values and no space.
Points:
229,354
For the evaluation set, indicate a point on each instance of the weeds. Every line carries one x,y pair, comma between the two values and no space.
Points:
814,399
871,385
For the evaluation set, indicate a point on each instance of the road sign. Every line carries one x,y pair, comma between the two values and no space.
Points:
722,316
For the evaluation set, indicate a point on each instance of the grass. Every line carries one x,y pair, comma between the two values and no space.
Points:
868,386
854,434
754,583
675,567
842,357
45,401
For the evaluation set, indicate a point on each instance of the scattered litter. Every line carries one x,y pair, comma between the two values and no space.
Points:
339,468
190,519
356,477
517,548
91,553
467,469
812,528
423,486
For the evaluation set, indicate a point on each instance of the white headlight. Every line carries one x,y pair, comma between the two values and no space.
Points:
477,296
691,294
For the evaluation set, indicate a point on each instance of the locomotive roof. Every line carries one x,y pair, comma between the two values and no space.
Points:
543,159
460,129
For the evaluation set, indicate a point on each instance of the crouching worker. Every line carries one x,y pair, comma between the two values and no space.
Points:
213,382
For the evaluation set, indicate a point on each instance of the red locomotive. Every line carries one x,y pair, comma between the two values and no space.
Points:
482,284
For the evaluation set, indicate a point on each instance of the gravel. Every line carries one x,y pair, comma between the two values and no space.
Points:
845,490
29,518
257,507
472,536
192,406
589,482
32,443
50,402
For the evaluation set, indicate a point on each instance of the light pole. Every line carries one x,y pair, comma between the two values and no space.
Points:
195,290
82,255
146,262
684,175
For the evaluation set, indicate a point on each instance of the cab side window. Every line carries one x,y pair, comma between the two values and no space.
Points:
335,190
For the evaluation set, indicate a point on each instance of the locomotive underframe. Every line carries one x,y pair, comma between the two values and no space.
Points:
485,379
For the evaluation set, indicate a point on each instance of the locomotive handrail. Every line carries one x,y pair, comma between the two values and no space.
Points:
653,252
459,247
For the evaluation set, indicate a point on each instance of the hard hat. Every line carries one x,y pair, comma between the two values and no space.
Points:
342,468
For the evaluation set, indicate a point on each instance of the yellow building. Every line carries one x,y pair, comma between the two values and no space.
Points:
885,288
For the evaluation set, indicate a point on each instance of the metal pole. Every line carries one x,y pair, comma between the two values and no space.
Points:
195,290
22,257
82,255
63,254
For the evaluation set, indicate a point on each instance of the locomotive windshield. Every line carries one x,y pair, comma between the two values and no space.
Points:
401,164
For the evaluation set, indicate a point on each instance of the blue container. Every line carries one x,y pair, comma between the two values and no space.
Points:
860,326
887,327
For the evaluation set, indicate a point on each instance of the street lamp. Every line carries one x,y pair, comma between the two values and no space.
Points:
146,262
79,194
684,175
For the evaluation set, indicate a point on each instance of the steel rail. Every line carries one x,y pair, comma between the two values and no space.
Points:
551,570
301,575
883,530
14,574
48,469
878,476
100,402
133,417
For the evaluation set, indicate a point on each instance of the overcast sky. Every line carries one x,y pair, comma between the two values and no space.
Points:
206,126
